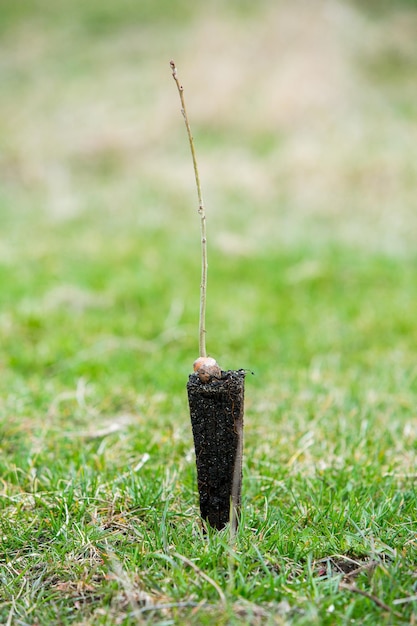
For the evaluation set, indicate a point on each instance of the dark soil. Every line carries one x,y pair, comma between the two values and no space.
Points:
216,410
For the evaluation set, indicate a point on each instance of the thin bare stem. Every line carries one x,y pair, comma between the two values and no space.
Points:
370,596
202,213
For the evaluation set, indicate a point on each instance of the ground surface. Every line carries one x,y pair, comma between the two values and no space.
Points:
305,118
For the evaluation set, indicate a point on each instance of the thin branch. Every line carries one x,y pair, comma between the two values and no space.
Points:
202,213
366,567
366,594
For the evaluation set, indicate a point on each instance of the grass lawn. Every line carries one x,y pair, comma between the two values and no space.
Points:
304,119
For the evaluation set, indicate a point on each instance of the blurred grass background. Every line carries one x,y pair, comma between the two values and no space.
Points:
305,117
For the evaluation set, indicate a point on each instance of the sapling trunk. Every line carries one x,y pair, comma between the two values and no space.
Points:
216,400
202,213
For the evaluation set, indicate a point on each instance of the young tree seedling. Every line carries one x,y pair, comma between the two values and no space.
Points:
215,398
204,366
